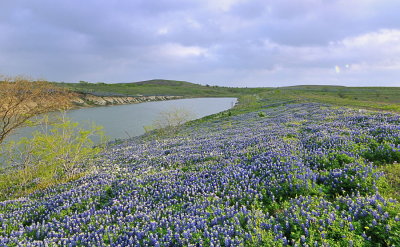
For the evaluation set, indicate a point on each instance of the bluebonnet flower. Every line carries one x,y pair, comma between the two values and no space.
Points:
219,186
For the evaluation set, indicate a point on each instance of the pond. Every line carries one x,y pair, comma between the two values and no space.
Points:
124,121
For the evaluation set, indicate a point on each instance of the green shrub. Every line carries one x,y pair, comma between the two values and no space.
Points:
330,161
390,183
385,153
59,152
261,114
352,178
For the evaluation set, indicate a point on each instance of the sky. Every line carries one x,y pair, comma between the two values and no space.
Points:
239,43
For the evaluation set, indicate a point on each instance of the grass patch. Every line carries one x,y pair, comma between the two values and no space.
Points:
389,185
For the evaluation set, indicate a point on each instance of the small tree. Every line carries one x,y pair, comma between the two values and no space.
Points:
168,122
173,118
21,99
248,100
60,151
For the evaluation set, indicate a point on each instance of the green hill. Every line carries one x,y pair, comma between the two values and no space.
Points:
159,87
161,82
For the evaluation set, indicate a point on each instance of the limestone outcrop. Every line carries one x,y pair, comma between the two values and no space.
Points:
85,100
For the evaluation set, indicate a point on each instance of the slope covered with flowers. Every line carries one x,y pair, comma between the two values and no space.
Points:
300,174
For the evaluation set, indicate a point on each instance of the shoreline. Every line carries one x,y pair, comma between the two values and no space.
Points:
90,100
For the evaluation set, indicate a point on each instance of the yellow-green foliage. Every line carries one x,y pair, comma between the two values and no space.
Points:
59,152
389,185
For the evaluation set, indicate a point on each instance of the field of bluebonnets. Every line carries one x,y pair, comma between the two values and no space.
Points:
297,175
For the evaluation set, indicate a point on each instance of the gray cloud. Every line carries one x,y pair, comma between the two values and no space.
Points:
227,42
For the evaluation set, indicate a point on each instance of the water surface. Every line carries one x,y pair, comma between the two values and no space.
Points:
124,121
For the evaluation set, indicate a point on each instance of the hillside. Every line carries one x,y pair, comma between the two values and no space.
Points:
376,94
158,88
162,82
290,174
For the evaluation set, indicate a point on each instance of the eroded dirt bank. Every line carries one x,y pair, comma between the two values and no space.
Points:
87,100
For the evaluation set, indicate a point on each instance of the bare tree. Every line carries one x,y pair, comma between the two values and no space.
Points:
169,122
173,118
22,98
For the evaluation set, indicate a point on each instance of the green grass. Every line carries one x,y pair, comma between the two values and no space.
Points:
378,98
160,88
389,185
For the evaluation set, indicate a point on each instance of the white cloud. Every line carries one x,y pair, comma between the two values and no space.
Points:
374,50
377,39
174,50
223,5
380,49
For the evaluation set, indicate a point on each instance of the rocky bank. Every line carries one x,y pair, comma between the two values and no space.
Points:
87,100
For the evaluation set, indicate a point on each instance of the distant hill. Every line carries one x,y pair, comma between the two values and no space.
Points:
162,82
313,86
159,87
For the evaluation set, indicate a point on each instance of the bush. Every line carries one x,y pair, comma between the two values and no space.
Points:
261,114
59,152
385,153
333,160
352,178
390,183
247,100
169,122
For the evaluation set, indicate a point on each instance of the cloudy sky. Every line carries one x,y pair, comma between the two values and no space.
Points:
218,42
